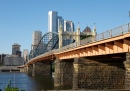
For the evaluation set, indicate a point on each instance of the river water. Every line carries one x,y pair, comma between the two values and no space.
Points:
28,83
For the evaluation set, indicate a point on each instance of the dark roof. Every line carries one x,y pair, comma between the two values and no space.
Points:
87,29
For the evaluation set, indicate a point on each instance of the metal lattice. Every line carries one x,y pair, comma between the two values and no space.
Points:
48,42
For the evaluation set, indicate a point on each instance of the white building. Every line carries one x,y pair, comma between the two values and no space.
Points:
25,54
68,26
52,21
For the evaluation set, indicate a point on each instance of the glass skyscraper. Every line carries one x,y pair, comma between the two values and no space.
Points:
68,26
54,21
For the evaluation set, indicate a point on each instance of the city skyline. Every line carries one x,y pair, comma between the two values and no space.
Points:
18,19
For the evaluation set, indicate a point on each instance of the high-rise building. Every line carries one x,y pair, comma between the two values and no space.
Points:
25,54
60,20
68,26
36,37
16,49
52,21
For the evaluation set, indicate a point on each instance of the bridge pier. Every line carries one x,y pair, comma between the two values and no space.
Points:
29,69
89,74
41,68
127,74
63,73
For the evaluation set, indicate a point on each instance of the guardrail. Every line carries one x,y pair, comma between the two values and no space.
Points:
105,35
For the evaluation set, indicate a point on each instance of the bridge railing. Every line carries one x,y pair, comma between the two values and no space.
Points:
105,35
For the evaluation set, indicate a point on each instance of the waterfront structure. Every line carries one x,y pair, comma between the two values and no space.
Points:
68,26
16,49
13,60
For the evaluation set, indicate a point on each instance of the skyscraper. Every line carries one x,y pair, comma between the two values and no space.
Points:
60,20
68,26
25,54
16,49
52,21
36,37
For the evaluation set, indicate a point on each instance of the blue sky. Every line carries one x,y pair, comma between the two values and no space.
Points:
19,18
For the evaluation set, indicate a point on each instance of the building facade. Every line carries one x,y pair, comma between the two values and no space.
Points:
2,58
52,21
16,49
13,60
60,20
36,37
25,54
68,26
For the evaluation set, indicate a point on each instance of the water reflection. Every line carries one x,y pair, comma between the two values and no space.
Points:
28,83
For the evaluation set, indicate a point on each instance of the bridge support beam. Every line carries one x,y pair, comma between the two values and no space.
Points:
41,68
63,73
29,69
127,74
95,75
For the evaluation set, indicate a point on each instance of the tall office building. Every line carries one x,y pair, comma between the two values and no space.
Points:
60,20
52,21
36,37
16,49
68,26
25,54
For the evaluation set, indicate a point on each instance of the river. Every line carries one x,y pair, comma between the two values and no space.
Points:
28,83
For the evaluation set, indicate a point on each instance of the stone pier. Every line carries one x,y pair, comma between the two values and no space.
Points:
29,69
127,73
95,75
63,73
41,68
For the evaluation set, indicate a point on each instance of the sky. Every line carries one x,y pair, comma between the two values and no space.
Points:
20,18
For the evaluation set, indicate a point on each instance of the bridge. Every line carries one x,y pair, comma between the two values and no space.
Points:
99,61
